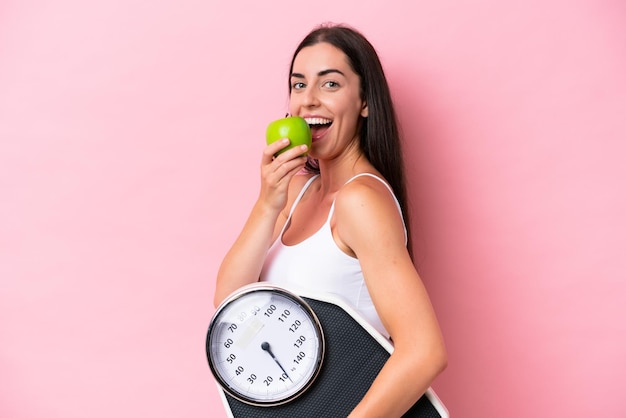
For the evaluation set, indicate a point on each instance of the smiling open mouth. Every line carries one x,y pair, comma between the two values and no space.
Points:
318,126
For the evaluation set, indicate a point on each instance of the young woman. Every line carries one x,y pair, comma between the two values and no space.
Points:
336,220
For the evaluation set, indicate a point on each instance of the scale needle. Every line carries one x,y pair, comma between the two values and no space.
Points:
266,347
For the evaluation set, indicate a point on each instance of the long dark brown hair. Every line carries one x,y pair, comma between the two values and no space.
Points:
379,137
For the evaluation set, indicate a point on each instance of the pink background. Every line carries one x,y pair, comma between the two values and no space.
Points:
131,134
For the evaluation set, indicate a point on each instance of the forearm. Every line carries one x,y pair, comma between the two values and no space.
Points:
243,262
400,383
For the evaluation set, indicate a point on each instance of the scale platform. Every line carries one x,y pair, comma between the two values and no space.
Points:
355,353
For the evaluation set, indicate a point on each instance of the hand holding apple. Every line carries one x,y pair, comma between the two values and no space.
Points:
293,127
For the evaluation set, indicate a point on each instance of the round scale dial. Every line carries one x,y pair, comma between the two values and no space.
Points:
265,345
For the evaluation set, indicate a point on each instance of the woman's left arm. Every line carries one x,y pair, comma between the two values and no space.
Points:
368,222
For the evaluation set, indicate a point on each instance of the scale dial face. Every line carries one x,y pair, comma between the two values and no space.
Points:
265,345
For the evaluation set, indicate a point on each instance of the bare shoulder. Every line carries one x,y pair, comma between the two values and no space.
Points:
365,209
366,192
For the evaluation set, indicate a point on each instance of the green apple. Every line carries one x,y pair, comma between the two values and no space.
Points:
293,127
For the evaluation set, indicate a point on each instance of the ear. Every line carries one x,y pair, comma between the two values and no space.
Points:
364,110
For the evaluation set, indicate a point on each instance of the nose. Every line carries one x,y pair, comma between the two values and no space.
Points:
310,98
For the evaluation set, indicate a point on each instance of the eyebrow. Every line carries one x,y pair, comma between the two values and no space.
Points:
319,74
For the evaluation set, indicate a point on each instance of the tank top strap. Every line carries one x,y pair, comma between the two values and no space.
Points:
295,202
395,199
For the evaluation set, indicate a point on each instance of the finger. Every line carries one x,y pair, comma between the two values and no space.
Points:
287,171
279,167
295,152
280,172
271,150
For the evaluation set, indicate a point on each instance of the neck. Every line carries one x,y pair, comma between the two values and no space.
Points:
335,173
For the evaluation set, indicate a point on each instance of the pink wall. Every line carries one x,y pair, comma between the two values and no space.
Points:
130,135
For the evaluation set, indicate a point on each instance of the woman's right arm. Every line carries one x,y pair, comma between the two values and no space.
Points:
243,262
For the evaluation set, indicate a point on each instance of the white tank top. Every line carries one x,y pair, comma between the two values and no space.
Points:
317,265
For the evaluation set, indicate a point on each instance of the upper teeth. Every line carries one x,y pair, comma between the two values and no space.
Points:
317,121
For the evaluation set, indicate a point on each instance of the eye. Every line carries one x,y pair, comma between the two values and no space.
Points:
298,85
331,84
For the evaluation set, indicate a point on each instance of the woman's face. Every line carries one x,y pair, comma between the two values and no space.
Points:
326,92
